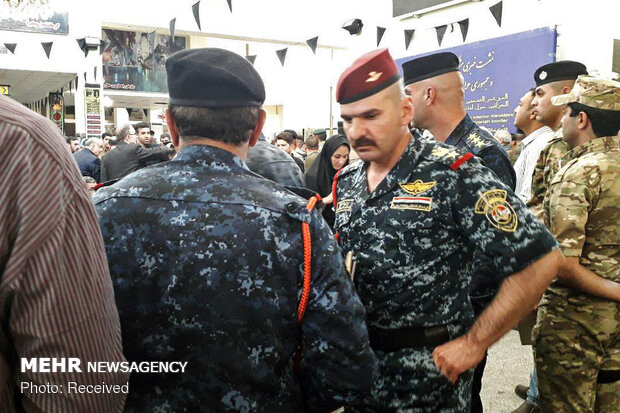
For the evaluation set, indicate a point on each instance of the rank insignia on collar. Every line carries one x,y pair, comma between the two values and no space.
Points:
417,187
441,152
344,205
498,211
407,202
476,140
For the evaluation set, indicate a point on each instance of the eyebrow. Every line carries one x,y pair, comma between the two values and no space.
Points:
372,111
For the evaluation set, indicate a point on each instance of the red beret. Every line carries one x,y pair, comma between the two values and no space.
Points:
368,75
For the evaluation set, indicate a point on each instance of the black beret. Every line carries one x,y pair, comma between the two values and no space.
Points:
429,66
562,70
213,78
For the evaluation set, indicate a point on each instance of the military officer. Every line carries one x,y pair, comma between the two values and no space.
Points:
577,336
210,266
551,79
412,214
435,85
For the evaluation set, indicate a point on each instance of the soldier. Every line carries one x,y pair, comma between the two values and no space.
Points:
435,85
551,80
577,336
210,266
412,214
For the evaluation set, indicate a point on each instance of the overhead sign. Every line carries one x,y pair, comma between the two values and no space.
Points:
4,90
497,72
92,100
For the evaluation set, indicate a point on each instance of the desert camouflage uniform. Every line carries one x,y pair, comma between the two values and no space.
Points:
549,163
413,239
514,152
578,335
207,263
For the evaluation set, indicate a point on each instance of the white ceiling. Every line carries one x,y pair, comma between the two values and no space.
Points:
122,99
29,86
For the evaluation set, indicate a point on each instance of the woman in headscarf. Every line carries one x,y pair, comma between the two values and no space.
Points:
320,176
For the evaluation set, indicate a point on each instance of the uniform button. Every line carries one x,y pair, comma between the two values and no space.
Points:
292,207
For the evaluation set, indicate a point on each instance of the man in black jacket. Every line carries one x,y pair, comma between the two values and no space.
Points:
128,156
87,158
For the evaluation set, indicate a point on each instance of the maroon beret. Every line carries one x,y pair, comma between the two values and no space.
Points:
368,75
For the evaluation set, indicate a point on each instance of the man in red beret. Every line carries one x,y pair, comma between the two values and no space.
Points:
412,215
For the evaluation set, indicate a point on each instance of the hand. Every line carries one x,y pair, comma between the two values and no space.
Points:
328,199
457,356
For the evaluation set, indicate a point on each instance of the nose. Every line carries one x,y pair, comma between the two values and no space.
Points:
356,129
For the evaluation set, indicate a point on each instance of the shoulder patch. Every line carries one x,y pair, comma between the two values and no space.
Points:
461,161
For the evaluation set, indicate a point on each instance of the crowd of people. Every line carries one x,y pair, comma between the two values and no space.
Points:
370,270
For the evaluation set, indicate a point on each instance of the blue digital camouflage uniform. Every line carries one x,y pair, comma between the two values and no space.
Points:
413,239
206,259
273,163
471,138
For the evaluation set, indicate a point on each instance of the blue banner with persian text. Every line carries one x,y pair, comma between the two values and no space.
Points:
498,72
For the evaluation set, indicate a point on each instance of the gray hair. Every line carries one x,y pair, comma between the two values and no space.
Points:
124,132
93,141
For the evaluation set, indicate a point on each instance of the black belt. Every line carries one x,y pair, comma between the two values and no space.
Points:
388,340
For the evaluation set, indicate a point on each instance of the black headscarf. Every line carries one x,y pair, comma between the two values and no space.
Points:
320,175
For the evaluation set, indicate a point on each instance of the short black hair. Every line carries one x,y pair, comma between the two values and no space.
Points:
233,125
604,122
141,125
286,136
105,135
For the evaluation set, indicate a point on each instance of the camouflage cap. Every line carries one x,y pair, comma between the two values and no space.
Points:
596,92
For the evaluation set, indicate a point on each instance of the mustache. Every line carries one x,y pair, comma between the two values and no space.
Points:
362,142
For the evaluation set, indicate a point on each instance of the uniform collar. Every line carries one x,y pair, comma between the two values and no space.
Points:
604,144
460,131
206,155
402,170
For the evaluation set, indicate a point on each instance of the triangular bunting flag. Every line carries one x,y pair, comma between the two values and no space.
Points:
11,47
128,111
173,23
196,11
380,31
282,54
496,11
464,24
76,82
441,31
145,112
95,73
85,77
251,59
230,5
312,43
47,46
82,45
408,37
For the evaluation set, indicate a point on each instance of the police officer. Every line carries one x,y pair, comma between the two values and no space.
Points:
210,266
435,85
412,214
577,336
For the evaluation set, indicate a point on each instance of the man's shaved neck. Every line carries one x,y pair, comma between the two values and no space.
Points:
447,110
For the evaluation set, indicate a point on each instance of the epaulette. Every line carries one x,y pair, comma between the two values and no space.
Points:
349,169
476,143
450,156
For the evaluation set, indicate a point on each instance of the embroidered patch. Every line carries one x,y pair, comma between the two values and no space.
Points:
498,211
417,187
476,140
417,203
441,152
373,76
344,205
